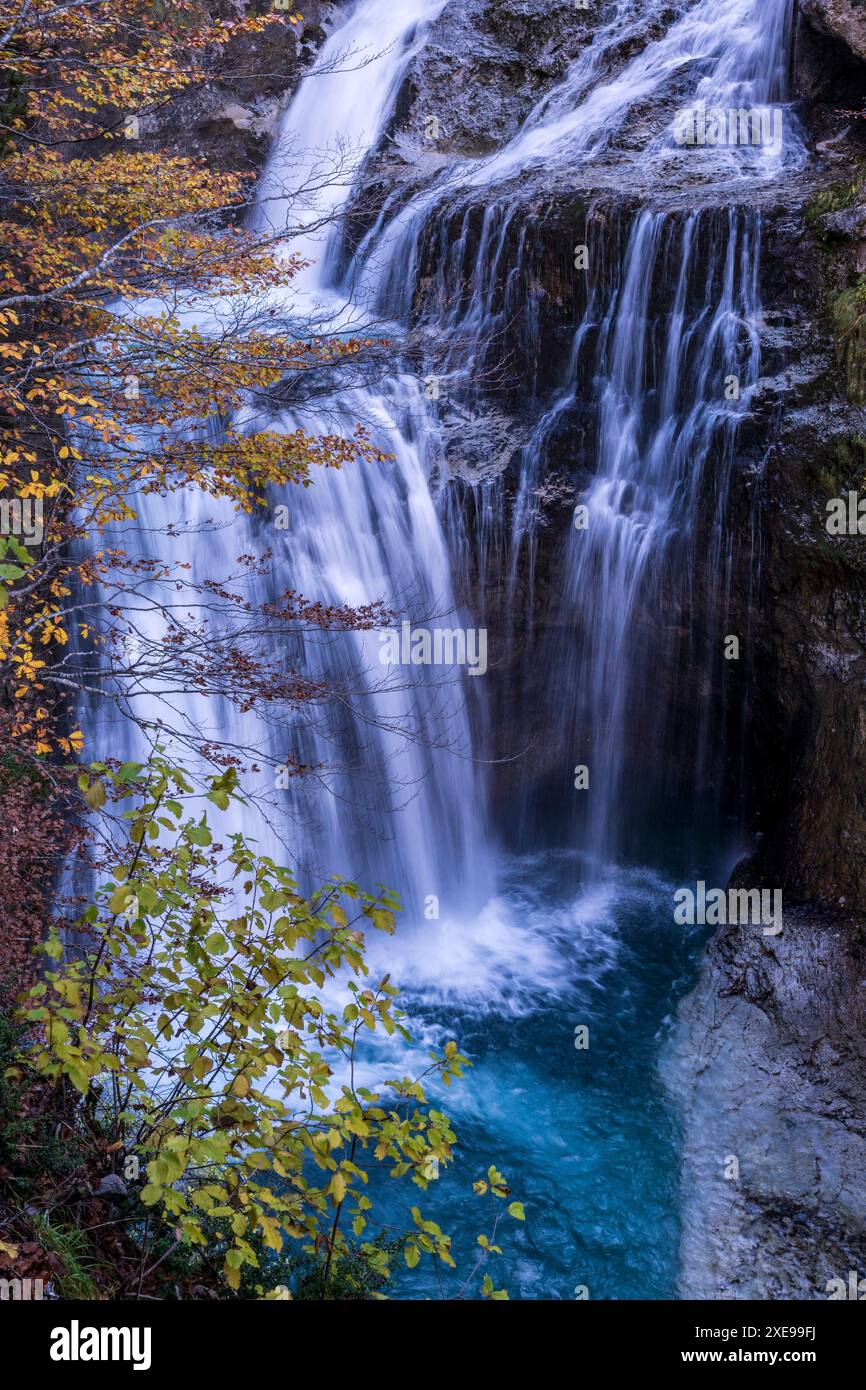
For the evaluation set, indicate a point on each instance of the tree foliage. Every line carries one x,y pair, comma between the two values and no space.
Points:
134,329
194,1024
185,1034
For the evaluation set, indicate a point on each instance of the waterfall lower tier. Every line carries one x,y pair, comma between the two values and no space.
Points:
597,550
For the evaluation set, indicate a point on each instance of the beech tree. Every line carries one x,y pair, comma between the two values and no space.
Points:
102,405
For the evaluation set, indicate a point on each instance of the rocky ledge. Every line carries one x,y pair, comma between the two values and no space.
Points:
768,1062
844,20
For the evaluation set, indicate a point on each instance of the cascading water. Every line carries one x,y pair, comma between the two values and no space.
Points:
663,416
396,756
404,804
515,965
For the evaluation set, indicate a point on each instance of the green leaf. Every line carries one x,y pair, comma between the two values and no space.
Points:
79,1079
23,554
516,1210
128,773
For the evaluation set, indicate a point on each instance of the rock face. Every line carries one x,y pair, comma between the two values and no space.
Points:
843,19
768,1062
484,66
231,118
807,440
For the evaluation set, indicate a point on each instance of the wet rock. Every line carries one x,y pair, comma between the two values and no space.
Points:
848,224
113,1187
807,680
231,118
843,19
484,66
767,1055
480,445
767,1061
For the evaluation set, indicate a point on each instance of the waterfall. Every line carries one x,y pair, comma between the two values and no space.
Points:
663,418
402,801
398,793
665,356
605,637
394,794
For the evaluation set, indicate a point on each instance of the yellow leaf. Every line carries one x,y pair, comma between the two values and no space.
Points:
95,794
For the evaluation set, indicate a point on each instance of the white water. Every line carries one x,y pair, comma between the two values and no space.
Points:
335,119
400,798
737,50
396,797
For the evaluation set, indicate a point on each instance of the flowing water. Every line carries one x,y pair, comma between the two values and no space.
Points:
549,918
